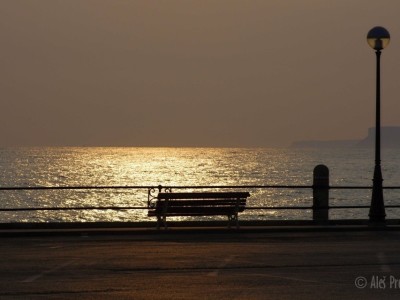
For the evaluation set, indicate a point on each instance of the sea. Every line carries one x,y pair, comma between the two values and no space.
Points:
185,169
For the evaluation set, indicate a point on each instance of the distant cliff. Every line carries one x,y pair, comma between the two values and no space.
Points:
390,138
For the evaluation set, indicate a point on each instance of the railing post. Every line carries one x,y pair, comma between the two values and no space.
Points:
321,194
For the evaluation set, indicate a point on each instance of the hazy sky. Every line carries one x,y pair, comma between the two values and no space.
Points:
193,73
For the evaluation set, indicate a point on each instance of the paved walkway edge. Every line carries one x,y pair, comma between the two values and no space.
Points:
148,228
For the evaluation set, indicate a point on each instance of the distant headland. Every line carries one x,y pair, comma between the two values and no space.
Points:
390,138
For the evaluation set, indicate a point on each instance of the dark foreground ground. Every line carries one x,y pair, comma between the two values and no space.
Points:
202,264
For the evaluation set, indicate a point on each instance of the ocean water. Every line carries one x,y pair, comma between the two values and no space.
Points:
52,167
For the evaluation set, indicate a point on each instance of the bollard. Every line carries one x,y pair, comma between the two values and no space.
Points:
321,194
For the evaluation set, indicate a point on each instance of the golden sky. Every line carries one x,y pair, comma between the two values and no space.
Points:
193,73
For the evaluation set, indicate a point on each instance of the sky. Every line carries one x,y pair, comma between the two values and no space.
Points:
201,73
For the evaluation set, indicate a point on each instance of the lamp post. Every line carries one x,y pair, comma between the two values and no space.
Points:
378,38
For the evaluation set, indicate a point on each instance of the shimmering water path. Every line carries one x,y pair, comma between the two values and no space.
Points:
184,167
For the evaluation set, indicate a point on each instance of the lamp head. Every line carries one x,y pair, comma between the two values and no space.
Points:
378,38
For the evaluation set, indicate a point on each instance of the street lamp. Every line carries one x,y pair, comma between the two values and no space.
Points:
378,38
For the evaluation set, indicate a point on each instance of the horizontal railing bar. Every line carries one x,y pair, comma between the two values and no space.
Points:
155,187
186,187
132,207
74,188
277,207
350,187
74,208
360,206
145,208
322,207
242,187
333,187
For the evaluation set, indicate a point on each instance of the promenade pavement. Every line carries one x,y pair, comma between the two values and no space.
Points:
201,264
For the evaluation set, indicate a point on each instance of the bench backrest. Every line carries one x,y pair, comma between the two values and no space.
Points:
204,196
218,202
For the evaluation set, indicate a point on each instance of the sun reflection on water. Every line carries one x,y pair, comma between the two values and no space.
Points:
172,167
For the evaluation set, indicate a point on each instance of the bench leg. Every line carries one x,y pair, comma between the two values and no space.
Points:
158,222
165,222
161,220
235,219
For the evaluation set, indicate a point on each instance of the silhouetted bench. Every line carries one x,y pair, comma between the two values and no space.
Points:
228,204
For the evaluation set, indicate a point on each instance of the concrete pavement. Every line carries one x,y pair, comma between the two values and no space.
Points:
202,264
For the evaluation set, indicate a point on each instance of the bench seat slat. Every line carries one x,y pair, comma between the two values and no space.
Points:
209,195
201,209
217,202
184,209
197,211
188,214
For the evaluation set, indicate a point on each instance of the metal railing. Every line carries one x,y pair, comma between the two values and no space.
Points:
320,200
153,190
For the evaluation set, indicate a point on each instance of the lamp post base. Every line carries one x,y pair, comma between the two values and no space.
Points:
377,212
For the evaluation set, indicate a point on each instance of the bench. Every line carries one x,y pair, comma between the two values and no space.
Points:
228,204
